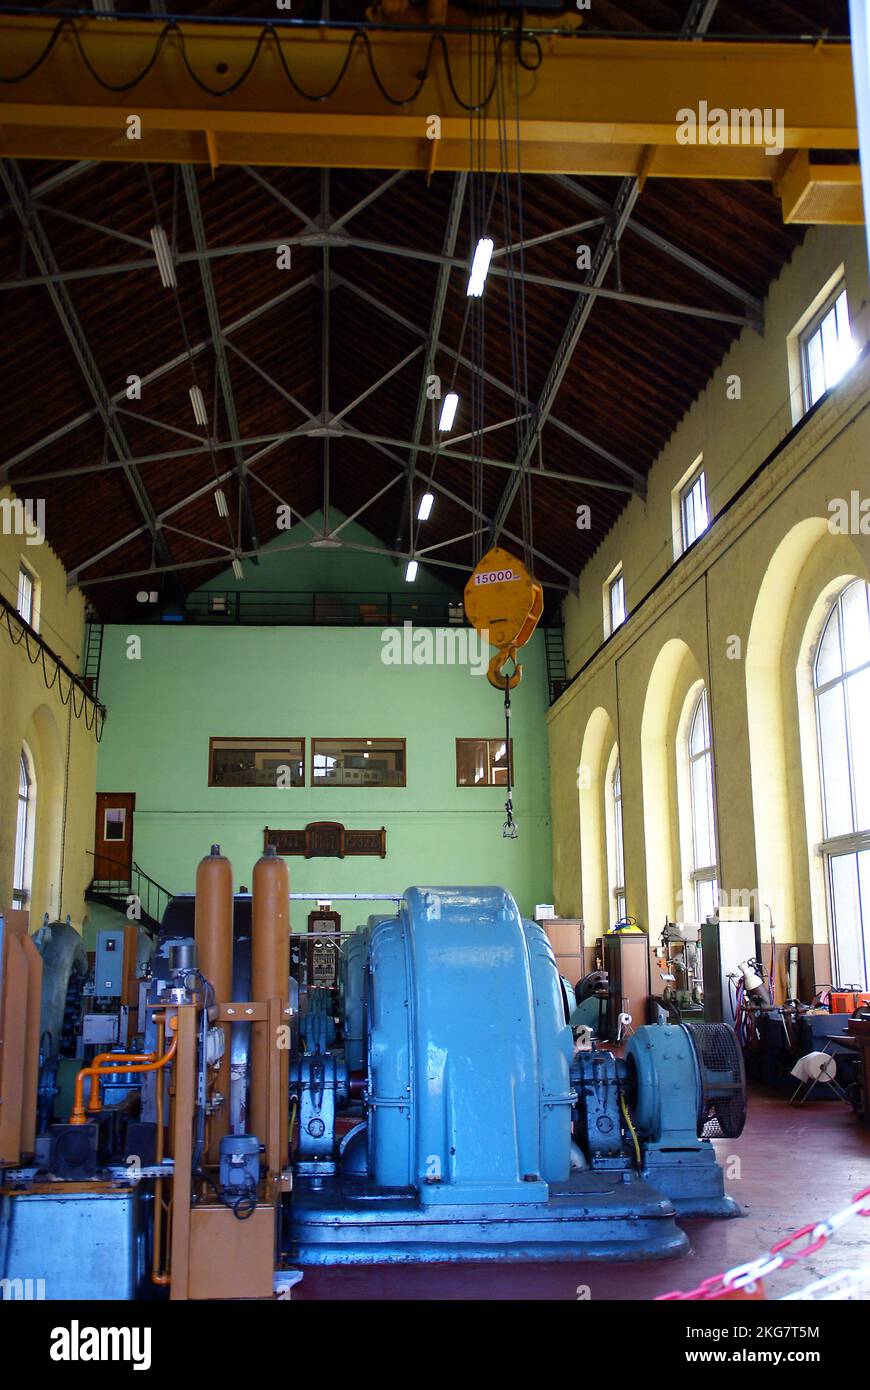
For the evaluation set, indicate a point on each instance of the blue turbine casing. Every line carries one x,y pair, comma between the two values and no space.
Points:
465,1152
469,1052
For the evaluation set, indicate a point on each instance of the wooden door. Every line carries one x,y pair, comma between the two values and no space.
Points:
113,836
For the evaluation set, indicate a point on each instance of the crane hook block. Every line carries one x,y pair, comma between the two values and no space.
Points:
504,603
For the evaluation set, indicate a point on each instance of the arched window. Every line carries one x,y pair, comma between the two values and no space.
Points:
704,867
615,851
23,833
841,685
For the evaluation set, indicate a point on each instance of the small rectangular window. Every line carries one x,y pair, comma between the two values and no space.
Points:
616,597
694,518
827,348
358,762
256,762
25,594
115,824
483,762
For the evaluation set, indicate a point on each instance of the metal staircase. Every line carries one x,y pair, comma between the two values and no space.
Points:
92,656
557,674
131,881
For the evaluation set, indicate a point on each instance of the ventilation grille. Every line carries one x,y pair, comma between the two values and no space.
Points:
722,1101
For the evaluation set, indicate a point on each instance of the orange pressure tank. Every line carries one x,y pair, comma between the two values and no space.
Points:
270,979
213,928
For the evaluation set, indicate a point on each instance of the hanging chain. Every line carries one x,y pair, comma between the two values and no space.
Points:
509,829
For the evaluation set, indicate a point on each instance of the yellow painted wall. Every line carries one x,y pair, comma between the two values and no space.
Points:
64,752
763,574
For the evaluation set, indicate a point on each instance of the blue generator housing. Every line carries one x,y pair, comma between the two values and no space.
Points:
481,1135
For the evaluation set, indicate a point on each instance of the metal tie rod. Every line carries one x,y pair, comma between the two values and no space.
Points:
346,897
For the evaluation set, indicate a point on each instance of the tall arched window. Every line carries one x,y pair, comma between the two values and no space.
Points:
841,685
616,854
23,832
704,869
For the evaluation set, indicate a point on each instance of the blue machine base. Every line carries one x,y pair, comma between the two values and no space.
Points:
594,1216
692,1179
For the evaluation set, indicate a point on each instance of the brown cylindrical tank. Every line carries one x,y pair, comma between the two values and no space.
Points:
213,929
270,980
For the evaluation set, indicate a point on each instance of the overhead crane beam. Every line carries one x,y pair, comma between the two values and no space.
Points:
594,106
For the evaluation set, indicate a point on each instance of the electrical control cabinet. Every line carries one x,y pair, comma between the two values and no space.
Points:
109,964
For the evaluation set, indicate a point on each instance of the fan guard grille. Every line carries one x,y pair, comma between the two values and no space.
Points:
722,1102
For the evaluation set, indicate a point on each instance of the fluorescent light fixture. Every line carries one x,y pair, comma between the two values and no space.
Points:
479,267
220,500
237,568
411,572
164,257
448,411
424,511
199,410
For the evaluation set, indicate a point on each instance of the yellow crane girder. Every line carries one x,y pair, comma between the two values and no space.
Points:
593,106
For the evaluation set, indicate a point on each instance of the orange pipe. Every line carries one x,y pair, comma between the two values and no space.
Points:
213,929
128,1062
156,1251
115,1057
77,1114
270,975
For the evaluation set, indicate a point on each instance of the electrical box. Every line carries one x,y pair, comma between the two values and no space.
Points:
323,955
109,964
100,1029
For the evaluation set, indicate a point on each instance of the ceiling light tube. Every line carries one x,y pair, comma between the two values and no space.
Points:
449,407
237,568
198,403
220,500
479,267
164,258
424,511
411,572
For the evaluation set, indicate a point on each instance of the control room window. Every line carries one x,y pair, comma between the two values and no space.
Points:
358,762
827,348
256,762
482,762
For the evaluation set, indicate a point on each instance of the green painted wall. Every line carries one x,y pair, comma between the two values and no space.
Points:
193,682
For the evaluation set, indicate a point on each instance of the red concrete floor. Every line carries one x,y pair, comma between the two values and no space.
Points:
796,1166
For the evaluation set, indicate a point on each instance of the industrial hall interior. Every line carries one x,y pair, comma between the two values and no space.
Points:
434,652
